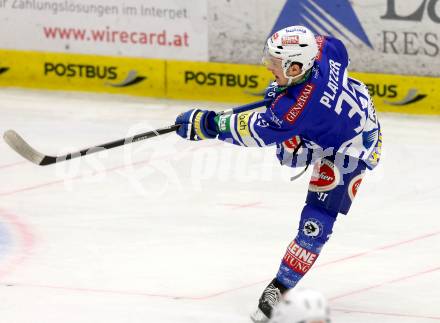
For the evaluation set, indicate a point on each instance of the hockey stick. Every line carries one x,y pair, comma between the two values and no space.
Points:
17,143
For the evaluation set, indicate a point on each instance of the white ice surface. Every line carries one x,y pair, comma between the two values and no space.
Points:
170,231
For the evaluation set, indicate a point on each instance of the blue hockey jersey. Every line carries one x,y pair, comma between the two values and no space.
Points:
329,112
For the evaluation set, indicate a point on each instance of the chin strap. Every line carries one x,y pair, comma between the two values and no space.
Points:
301,78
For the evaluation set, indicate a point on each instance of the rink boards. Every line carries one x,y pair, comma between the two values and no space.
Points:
190,80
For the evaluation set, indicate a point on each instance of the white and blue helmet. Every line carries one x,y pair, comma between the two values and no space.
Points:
292,44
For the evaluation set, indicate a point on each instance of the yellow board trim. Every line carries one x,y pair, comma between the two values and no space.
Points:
89,73
191,80
390,92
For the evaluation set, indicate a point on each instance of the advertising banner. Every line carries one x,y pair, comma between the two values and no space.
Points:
206,81
247,83
132,76
382,36
216,81
396,93
166,29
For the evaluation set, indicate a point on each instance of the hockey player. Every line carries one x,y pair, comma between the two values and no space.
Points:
301,306
318,115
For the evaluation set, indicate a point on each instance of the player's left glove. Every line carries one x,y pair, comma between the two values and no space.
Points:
197,125
273,90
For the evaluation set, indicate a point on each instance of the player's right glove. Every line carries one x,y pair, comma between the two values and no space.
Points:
196,125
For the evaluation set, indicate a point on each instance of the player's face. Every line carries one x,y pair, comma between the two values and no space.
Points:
273,64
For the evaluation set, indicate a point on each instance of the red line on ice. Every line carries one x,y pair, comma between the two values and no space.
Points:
97,290
360,254
358,291
30,188
112,169
204,297
29,240
13,164
243,206
437,318
333,262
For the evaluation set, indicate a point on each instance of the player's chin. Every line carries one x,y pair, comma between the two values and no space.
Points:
280,82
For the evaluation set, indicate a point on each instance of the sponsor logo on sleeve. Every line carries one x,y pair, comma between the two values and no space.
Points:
243,124
224,123
325,176
299,259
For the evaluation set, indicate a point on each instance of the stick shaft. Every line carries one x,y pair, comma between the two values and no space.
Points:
109,145
17,143
246,107
160,131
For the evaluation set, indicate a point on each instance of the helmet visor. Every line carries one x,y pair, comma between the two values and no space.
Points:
270,61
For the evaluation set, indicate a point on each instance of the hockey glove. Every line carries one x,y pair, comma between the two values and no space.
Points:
197,125
273,90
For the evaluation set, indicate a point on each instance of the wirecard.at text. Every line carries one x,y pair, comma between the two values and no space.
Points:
108,35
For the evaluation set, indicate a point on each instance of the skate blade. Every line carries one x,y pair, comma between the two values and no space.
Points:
259,317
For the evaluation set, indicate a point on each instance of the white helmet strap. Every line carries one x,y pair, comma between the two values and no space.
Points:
292,79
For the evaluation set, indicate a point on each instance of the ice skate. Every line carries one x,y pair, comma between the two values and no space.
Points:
269,299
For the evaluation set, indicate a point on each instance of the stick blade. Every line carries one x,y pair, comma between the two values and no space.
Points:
21,147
